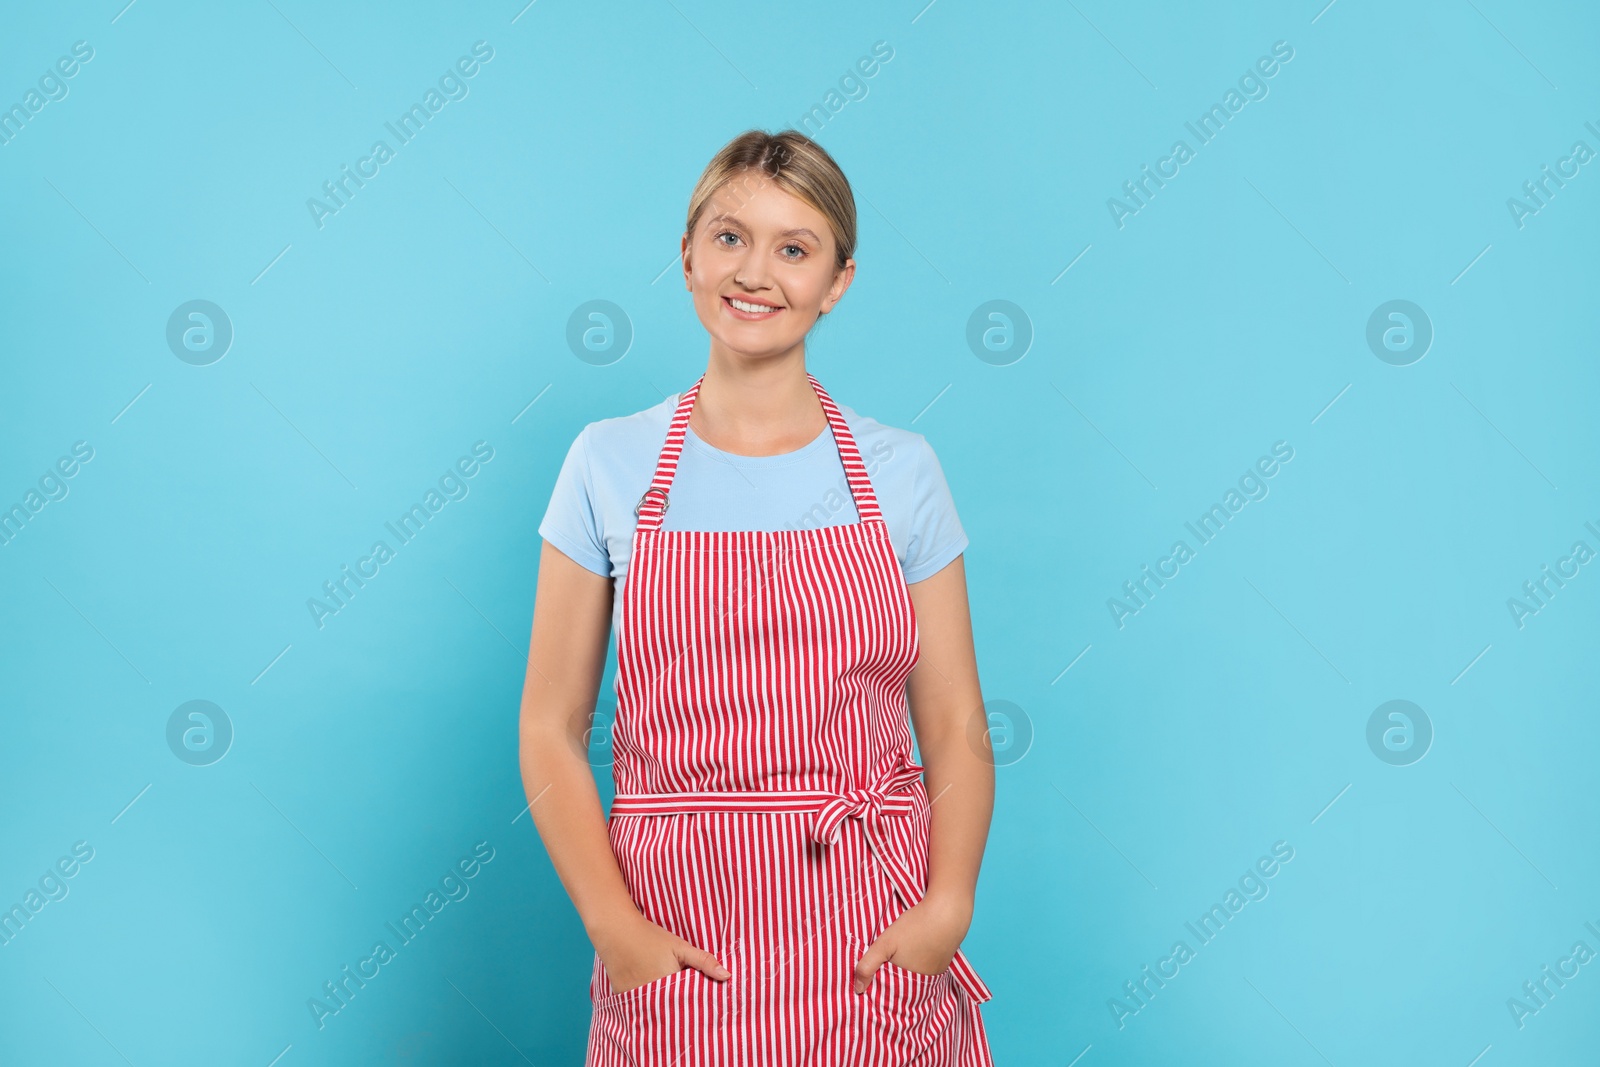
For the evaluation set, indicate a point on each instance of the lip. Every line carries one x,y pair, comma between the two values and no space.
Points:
751,316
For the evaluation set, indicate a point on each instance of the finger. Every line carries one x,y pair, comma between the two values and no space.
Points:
702,961
867,965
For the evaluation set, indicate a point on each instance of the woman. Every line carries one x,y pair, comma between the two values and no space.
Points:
772,885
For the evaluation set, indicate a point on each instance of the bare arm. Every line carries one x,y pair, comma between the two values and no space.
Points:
945,701
952,739
571,625
566,660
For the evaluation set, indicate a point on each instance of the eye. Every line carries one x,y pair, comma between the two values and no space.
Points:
800,249
725,233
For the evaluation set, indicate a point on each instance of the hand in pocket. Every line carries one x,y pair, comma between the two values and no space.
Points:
640,952
923,940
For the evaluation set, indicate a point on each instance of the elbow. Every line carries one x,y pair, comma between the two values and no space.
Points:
544,736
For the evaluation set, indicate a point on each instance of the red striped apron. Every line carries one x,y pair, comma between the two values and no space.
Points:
768,809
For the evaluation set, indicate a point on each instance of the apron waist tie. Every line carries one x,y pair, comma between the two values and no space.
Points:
831,809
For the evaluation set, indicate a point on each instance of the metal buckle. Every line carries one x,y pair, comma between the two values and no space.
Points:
653,489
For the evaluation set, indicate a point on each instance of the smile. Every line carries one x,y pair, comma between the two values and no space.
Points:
745,309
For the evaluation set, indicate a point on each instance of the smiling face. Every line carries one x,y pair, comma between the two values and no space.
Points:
760,264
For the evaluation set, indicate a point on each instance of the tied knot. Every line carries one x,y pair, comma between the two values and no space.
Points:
851,804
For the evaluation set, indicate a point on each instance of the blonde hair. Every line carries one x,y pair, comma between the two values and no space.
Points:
797,165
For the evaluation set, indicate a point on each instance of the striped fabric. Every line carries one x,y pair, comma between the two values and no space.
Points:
768,809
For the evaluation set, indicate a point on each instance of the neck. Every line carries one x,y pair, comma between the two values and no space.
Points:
757,407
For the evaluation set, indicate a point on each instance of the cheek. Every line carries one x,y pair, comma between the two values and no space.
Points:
704,279
810,292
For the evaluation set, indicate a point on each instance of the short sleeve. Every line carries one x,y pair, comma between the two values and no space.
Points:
569,521
936,533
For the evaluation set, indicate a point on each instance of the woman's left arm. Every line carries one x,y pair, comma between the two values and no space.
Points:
953,742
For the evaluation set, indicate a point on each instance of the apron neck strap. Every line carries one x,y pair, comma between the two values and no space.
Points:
653,505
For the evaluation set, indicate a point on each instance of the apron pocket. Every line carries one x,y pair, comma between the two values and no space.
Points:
916,976
655,985
677,1019
908,1014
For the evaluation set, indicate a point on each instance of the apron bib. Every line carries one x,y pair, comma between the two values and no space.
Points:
767,807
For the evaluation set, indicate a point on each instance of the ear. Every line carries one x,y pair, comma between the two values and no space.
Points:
683,253
841,281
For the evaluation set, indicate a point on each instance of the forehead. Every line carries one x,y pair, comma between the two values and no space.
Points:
757,201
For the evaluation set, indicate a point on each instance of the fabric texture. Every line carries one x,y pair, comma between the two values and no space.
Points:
767,808
590,516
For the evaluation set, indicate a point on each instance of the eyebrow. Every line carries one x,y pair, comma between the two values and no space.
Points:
732,220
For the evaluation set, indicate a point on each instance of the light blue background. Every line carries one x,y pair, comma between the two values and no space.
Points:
1228,314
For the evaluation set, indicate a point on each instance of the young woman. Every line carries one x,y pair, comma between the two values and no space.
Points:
776,883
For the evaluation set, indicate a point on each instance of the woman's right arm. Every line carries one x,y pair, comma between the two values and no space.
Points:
566,660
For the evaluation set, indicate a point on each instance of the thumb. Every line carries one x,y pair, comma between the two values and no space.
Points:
702,961
867,965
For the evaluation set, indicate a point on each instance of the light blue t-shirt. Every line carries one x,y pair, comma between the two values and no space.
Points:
610,463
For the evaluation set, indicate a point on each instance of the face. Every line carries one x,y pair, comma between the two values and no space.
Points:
773,253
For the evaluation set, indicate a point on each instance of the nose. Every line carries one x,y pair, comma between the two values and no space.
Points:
753,271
